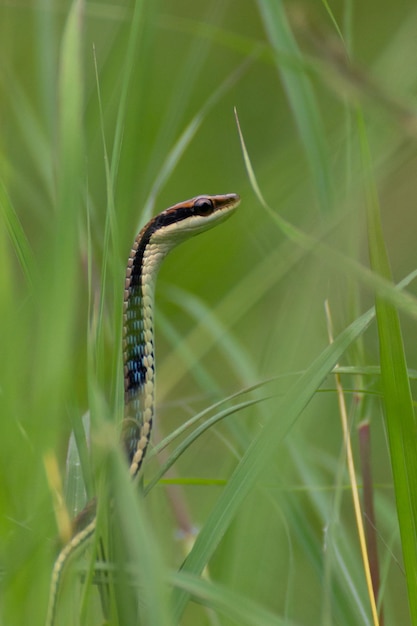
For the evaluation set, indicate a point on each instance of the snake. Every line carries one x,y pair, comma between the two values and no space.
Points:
155,240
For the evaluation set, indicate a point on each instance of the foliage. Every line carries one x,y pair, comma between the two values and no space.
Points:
112,111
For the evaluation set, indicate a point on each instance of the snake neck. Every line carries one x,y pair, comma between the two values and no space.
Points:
138,346
156,239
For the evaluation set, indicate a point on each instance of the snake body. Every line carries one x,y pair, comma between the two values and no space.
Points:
155,240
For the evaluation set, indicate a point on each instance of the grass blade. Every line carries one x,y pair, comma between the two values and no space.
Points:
400,419
237,607
377,283
141,548
301,97
261,451
16,233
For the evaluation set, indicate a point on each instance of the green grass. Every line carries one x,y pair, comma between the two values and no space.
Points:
111,112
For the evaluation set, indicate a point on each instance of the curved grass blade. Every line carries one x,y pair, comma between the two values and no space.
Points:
231,604
261,451
377,283
194,435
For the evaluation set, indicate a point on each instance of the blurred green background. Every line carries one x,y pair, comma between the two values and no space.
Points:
112,111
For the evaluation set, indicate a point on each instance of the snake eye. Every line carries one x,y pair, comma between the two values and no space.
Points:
203,206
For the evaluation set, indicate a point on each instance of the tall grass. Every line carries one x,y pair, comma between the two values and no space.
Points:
110,113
